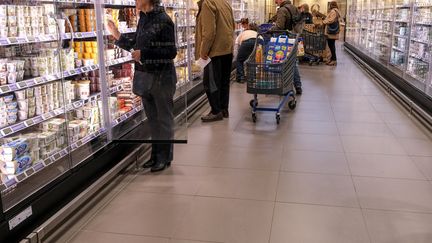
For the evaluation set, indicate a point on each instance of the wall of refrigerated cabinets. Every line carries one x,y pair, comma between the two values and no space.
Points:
398,35
65,88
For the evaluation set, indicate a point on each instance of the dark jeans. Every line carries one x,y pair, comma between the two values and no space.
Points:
158,101
245,49
332,45
216,82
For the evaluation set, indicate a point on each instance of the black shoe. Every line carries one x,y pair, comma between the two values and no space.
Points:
299,90
160,166
149,164
212,117
225,113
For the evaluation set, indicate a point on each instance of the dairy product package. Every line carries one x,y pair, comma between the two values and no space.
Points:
12,150
16,166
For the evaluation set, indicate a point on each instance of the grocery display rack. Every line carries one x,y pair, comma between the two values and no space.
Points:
81,93
395,37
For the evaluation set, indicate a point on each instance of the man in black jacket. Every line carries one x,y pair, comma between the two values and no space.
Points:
153,49
288,18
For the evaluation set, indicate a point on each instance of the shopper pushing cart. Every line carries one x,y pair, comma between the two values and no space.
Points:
314,42
270,70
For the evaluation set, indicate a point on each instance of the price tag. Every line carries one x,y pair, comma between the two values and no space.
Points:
94,67
22,85
13,86
79,143
18,127
31,39
37,119
47,161
11,182
6,131
13,40
57,156
30,82
29,122
29,171
84,69
21,177
4,89
4,42
22,40
78,35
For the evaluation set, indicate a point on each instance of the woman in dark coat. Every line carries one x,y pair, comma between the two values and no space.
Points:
153,49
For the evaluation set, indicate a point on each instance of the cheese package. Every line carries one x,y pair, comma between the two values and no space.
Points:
16,166
12,150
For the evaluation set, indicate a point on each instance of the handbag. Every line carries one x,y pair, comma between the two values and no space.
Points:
143,83
334,28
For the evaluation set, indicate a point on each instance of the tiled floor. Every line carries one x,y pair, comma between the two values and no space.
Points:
347,166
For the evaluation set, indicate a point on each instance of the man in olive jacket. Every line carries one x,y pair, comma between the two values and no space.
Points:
288,18
214,37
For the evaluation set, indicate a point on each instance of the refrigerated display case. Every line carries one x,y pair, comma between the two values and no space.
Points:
66,92
394,36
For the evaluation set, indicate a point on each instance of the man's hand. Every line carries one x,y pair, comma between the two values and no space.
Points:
112,28
204,57
136,55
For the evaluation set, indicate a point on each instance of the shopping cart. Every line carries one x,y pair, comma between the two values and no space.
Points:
314,44
272,78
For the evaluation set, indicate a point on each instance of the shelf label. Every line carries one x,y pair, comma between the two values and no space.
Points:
29,172
94,67
22,85
29,123
18,127
4,41
4,89
13,40
84,69
38,119
11,182
21,177
19,218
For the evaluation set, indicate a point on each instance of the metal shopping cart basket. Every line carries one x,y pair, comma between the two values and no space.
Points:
272,78
314,44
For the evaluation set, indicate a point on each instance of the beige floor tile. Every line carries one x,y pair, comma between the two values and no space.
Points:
333,190
388,108
398,227
395,118
394,194
357,116
191,241
306,115
311,127
417,147
240,184
227,220
253,157
363,106
425,165
142,214
407,131
202,155
384,166
315,162
178,179
312,224
313,142
364,129
372,145
312,105
102,237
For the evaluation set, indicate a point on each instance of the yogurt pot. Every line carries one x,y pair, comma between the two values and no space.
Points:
11,10
12,119
13,31
20,64
30,92
3,20
20,95
11,66
31,102
22,115
4,31
12,21
20,75
12,77
32,111
3,78
8,98
23,105
3,65
12,111
3,10
11,106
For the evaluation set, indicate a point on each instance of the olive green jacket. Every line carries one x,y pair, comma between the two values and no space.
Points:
214,34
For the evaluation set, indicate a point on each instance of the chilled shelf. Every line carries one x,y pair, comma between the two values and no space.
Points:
419,41
398,49
53,77
126,116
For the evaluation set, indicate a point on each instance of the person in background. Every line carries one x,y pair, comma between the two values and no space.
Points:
153,49
333,17
214,39
305,14
244,22
288,18
245,43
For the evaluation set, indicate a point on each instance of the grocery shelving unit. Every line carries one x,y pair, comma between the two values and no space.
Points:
58,60
401,47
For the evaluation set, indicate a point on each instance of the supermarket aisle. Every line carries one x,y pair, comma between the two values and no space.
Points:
346,166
